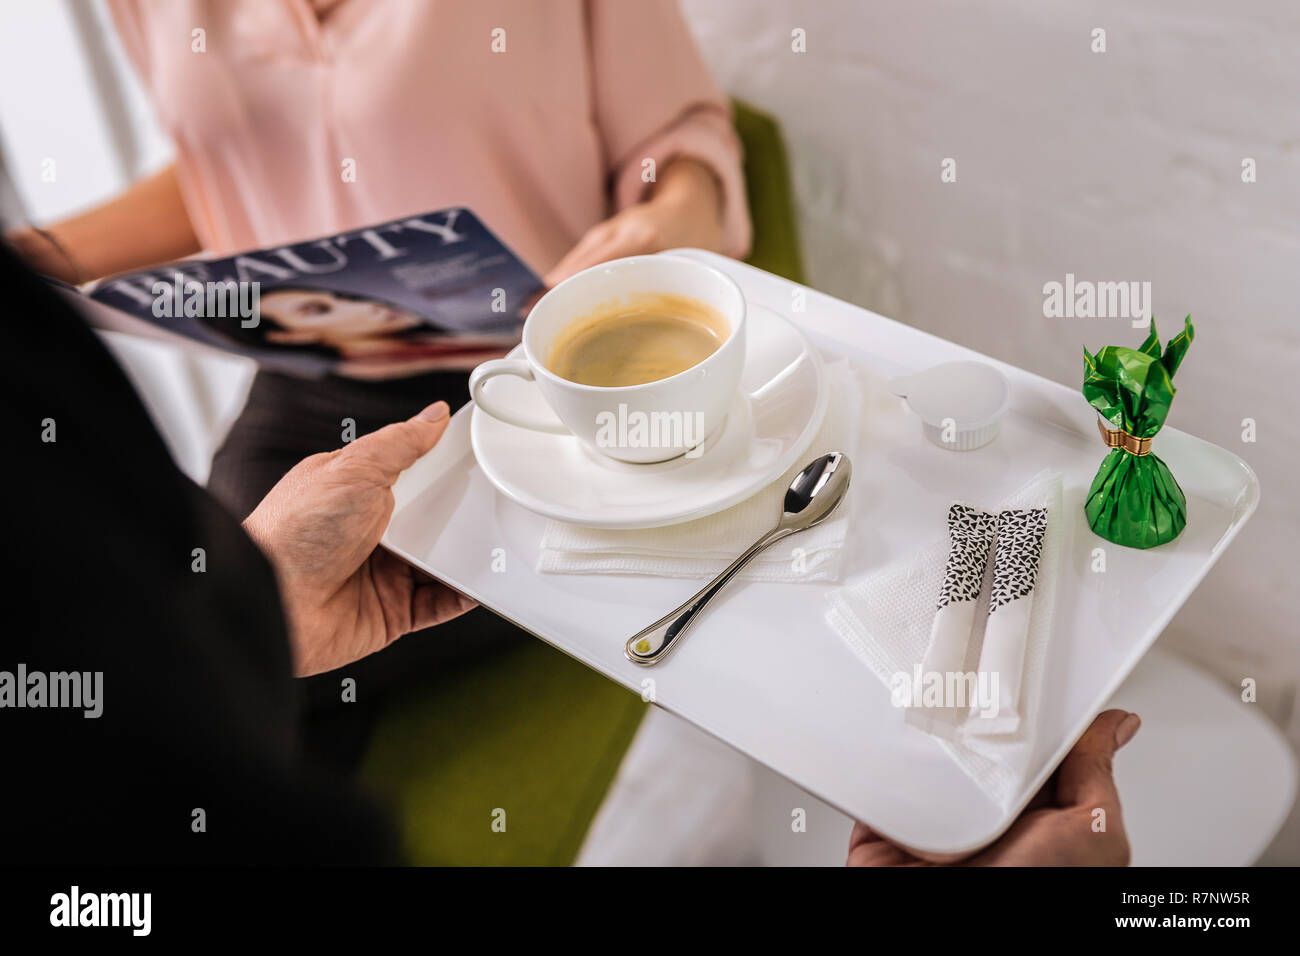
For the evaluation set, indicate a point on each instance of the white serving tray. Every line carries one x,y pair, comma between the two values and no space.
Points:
763,672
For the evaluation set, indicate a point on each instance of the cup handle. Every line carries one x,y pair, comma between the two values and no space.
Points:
517,367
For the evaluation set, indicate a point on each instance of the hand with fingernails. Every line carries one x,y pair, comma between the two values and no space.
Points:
344,596
1059,827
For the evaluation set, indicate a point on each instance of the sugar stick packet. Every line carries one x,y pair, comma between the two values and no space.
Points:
970,534
1015,572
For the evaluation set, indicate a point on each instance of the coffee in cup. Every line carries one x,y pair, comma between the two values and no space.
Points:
646,339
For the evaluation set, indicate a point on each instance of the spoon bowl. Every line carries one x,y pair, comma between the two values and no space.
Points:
816,491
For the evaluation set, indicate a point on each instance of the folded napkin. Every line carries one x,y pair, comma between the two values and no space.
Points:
887,617
703,547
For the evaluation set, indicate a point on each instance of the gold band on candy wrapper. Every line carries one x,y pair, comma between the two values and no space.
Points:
1118,438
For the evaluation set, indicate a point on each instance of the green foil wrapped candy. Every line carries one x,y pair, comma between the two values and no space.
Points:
1134,500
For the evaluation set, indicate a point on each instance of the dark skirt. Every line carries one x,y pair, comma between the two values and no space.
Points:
287,419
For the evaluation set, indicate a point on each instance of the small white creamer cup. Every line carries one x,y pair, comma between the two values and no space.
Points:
644,423
960,404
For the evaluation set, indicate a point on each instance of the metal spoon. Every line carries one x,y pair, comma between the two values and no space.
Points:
810,499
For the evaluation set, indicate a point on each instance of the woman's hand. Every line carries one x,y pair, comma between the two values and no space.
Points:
44,253
1058,828
344,596
685,209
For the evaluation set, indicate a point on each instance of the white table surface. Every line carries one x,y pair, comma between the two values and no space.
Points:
762,671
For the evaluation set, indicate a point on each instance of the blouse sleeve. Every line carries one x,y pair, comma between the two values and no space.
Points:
655,99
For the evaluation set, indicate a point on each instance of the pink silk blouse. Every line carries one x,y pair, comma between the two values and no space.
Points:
537,115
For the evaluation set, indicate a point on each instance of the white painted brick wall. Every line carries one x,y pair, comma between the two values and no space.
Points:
1123,165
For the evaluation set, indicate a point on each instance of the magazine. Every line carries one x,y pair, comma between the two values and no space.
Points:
436,291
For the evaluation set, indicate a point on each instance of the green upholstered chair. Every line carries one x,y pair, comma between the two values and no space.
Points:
775,247
525,736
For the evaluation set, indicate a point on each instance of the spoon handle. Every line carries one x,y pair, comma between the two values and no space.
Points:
653,644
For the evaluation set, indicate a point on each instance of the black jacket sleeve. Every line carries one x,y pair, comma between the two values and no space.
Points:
115,564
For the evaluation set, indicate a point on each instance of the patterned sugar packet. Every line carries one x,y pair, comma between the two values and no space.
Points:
1015,562
1015,573
970,535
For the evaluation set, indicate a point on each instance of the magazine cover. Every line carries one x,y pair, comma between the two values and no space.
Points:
436,291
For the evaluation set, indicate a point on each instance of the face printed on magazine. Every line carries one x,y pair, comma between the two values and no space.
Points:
367,338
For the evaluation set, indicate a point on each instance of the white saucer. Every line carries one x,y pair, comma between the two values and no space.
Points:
776,413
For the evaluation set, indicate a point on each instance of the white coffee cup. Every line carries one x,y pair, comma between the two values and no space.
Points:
651,422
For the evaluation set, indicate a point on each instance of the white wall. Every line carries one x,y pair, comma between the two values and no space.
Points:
51,109
1123,165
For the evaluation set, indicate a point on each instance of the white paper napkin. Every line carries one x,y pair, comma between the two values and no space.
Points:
702,548
886,617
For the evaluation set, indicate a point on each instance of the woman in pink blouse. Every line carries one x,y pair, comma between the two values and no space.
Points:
540,116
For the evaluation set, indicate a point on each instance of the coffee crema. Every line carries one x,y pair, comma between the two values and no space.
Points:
644,339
